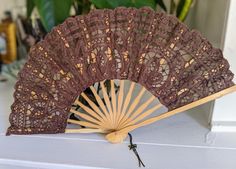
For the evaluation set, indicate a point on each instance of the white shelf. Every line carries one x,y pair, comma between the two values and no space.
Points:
179,142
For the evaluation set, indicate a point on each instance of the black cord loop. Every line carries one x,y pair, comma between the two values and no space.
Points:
134,148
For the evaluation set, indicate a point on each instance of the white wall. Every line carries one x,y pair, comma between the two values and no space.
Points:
216,20
208,17
16,6
224,114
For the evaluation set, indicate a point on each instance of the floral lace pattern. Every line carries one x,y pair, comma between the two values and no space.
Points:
175,64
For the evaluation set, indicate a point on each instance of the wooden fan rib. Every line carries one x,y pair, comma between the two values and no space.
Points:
88,110
143,115
126,103
103,123
86,117
94,107
101,104
120,101
133,106
85,131
135,103
113,100
107,101
139,111
142,107
180,109
84,123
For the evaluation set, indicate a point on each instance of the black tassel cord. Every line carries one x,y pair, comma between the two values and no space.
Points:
134,148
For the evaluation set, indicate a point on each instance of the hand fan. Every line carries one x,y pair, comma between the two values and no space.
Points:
176,65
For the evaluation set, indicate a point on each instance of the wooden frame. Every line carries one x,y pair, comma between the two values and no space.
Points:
119,115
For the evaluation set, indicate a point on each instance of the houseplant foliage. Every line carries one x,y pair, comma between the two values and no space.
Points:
53,12
178,7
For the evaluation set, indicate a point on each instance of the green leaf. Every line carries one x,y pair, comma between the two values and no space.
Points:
46,11
141,3
101,4
117,3
126,3
81,6
183,9
29,7
161,4
62,10
53,12
112,3
180,7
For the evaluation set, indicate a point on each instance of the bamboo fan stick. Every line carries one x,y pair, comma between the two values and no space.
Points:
84,123
143,115
180,109
139,110
120,101
101,104
133,105
95,107
113,100
142,107
88,110
87,130
137,99
87,117
126,103
108,103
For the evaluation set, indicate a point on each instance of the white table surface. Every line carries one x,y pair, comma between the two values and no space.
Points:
179,142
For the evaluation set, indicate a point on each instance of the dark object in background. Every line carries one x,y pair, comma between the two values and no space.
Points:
2,78
33,30
3,49
7,17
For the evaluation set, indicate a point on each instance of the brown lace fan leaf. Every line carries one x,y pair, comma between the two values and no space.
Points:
177,65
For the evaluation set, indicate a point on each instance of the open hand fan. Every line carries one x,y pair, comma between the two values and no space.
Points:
177,65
